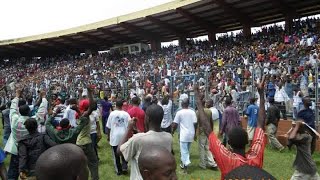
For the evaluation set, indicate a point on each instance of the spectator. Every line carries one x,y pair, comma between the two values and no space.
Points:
166,105
252,113
131,148
186,119
30,148
137,112
117,124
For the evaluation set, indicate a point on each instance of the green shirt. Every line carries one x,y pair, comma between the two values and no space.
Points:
66,135
84,136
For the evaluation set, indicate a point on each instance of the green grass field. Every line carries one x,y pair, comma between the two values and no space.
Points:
278,164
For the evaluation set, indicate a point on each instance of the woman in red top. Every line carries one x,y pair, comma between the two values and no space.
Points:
228,160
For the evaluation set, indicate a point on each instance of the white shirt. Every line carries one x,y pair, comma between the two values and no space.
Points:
94,118
167,117
71,115
117,123
280,95
215,113
186,118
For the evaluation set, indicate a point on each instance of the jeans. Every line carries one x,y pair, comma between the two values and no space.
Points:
185,153
119,166
206,158
104,123
94,139
13,172
6,134
302,176
271,133
92,160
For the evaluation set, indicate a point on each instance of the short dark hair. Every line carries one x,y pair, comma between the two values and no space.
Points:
119,103
31,125
238,138
72,101
64,123
248,172
24,110
165,100
228,100
22,102
155,114
271,100
135,100
147,99
185,103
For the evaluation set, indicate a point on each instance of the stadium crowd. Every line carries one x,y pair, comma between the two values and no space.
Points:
142,99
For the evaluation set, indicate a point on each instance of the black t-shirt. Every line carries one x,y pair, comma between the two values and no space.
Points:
304,162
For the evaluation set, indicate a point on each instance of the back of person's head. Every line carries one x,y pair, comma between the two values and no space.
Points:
165,100
156,162
252,100
228,101
209,103
154,114
185,103
72,101
119,103
247,172
135,101
64,123
24,110
238,138
31,125
147,99
62,162
22,102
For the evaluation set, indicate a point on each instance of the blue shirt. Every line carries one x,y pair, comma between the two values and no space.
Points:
271,90
252,113
308,116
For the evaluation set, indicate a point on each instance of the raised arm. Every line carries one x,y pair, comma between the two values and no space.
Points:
262,111
14,111
43,108
203,119
91,103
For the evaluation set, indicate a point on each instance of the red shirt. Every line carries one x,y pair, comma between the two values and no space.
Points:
139,114
228,160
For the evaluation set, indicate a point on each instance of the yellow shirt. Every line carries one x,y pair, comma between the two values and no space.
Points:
220,62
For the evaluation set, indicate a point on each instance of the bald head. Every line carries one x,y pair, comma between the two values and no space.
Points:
157,163
63,162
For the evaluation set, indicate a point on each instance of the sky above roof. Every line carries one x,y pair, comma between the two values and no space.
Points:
20,18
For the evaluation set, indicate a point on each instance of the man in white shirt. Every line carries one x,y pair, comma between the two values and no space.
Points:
280,98
131,147
166,105
186,119
117,125
70,114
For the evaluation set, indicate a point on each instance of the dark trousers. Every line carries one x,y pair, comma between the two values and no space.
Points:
93,163
104,123
13,172
282,108
119,166
94,139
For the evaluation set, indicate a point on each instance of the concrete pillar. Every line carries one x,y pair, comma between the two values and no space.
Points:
182,41
212,37
247,30
155,45
288,24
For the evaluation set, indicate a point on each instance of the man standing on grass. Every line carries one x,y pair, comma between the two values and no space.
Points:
84,138
252,113
138,113
273,118
186,119
206,159
238,139
305,167
117,124
230,119
131,148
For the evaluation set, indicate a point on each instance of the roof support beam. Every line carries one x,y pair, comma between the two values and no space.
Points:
209,26
140,32
118,36
286,9
167,26
94,38
236,13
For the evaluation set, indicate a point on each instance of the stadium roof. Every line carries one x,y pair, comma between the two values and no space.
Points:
180,18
